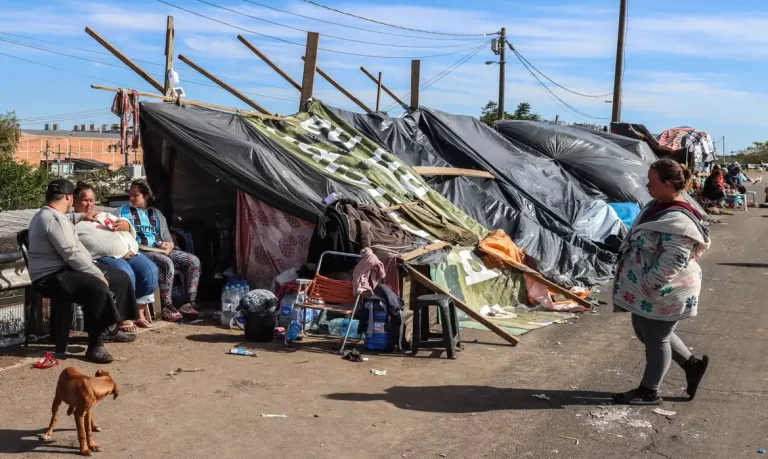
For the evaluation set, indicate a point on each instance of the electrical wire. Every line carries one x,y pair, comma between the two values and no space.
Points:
546,88
61,53
45,117
71,118
366,42
311,2
357,28
302,45
514,50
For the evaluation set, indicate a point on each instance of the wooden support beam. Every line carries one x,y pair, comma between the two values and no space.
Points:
397,207
415,79
408,256
201,104
310,64
269,62
126,60
378,93
224,85
386,89
169,40
426,282
343,90
453,171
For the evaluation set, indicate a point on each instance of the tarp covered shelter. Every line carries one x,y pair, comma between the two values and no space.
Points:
635,146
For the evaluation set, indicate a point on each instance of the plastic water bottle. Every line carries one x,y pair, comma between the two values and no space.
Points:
286,308
78,320
379,341
239,351
338,327
295,329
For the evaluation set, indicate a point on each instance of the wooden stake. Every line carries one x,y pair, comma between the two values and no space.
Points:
126,60
269,62
224,85
452,171
201,104
426,282
378,94
169,39
310,64
343,90
386,89
415,77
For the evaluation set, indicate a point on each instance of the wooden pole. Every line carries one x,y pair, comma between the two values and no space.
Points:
386,89
310,64
415,76
269,62
200,104
426,282
224,85
452,171
378,94
126,60
343,90
169,39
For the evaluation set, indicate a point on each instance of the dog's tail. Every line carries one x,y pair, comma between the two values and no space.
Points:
70,410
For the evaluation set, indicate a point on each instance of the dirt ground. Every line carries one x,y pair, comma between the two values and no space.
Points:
481,405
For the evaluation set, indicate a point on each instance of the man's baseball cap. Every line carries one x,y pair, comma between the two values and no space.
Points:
60,186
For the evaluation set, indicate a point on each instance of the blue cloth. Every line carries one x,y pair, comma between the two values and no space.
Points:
146,222
627,211
140,269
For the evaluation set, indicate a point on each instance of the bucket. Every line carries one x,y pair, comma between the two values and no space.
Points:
260,327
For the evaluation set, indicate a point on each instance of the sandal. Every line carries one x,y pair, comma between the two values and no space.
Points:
171,314
127,326
143,323
189,311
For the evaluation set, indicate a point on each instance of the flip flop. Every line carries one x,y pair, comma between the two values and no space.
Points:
132,328
143,323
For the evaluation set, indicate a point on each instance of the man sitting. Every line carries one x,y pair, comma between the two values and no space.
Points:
60,267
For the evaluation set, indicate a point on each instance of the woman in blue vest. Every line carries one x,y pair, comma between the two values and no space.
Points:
152,232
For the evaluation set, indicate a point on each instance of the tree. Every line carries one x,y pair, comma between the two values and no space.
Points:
490,115
21,185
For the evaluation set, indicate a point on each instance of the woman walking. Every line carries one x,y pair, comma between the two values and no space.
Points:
658,280
152,232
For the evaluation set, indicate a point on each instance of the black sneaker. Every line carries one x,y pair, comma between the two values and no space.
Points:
118,336
639,396
99,354
694,371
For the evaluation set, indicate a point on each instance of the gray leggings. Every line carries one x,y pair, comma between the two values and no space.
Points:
662,346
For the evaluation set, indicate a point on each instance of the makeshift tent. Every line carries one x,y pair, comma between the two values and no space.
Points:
640,132
697,143
635,146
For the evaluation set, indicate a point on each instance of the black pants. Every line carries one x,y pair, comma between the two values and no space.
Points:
715,195
103,305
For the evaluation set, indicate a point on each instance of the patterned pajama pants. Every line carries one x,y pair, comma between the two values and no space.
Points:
185,262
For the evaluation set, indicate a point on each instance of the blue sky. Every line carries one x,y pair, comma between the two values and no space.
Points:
695,63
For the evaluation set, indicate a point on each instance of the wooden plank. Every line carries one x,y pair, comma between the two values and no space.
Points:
269,62
169,40
386,89
378,93
408,256
415,78
202,104
454,171
397,207
126,60
224,85
310,65
426,282
343,90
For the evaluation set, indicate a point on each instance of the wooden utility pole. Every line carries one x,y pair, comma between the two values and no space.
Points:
126,60
415,79
169,40
274,66
619,73
224,85
384,87
341,89
310,64
378,93
502,70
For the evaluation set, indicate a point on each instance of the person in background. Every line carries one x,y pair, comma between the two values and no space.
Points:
658,280
61,267
112,240
714,186
736,178
152,233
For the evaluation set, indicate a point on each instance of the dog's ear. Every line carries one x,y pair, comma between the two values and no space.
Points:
115,392
102,373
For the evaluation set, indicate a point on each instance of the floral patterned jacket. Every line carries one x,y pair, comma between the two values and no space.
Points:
657,275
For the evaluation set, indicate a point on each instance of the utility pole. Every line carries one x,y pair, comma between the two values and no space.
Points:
502,64
619,74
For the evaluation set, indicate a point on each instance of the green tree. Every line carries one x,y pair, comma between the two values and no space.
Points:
22,186
490,114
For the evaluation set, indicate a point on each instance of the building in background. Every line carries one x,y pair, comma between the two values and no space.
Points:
84,142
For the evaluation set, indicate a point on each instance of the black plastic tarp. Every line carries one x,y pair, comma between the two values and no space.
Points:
635,146
594,161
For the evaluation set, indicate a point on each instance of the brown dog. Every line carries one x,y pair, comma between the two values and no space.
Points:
82,394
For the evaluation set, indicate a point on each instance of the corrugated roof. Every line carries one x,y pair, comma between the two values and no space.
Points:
61,133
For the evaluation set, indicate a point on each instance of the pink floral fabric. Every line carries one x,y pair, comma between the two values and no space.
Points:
269,241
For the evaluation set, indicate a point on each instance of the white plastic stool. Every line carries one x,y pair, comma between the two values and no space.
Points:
736,204
753,201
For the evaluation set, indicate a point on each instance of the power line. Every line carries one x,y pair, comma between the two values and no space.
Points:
81,113
302,45
92,116
60,53
546,88
311,2
356,28
514,50
366,42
